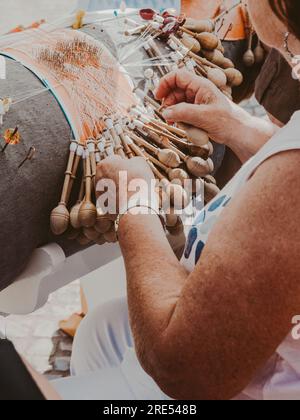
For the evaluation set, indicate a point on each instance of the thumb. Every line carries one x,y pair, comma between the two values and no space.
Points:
186,113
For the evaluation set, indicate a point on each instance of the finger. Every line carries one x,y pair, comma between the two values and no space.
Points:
181,79
186,113
175,97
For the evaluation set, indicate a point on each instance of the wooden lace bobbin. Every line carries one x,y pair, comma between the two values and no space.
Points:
234,77
5,105
146,98
100,149
203,152
195,135
142,124
117,141
211,190
100,241
91,147
171,218
109,144
166,156
210,179
177,195
77,160
149,120
149,79
121,134
104,222
138,30
174,223
158,124
176,174
259,53
208,41
249,57
156,52
218,77
196,166
91,234
220,47
179,198
215,57
199,151
111,236
88,211
60,216
177,229
191,43
164,126
199,26
74,213
83,240
72,234
151,54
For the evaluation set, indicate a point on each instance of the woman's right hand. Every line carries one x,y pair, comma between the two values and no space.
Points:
196,101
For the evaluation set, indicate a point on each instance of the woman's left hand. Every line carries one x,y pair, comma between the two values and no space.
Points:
122,178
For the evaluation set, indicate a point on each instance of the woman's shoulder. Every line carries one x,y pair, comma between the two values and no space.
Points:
286,139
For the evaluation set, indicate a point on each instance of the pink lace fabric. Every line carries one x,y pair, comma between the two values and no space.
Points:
83,75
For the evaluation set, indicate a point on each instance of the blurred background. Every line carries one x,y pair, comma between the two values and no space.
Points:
15,12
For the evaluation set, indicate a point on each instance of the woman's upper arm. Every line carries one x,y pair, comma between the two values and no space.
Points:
238,304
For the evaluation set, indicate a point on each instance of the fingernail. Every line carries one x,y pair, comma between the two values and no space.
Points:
155,93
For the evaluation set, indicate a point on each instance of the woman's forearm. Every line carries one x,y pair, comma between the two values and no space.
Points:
155,278
249,134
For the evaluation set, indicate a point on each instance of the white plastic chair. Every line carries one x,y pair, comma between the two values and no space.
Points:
49,270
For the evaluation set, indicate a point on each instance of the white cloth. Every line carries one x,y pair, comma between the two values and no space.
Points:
104,340
104,364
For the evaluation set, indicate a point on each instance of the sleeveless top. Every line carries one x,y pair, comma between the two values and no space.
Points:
280,378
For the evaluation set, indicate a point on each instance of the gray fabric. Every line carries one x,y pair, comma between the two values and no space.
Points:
30,193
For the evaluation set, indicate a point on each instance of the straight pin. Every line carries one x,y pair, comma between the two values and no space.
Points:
30,155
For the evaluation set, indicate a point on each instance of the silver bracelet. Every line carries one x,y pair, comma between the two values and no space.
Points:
157,213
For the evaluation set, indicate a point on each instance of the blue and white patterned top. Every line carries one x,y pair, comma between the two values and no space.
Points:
206,219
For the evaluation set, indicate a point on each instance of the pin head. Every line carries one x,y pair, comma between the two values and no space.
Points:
147,14
12,136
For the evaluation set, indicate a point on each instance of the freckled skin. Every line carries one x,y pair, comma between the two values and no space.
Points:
206,334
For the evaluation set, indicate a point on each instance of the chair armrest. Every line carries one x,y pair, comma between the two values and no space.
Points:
49,270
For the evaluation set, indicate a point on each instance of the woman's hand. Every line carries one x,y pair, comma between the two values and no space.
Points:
122,179
196,101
